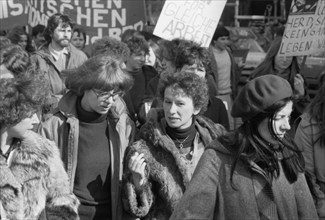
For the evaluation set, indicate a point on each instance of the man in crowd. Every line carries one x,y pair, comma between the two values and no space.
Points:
225,71
141,73
57,55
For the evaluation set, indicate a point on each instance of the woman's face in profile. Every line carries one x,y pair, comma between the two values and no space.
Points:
19,130
178,108
99,101
280,124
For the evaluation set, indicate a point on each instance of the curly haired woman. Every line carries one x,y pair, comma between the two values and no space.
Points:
159,167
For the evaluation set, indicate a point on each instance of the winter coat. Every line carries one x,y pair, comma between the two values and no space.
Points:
63,128
46,64
167,174
34,184
314,154
212,196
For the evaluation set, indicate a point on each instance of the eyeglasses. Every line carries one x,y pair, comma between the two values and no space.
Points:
107,95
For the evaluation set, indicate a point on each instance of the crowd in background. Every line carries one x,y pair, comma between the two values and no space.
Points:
147,128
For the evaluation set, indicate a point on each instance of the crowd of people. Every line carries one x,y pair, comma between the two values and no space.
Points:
148,128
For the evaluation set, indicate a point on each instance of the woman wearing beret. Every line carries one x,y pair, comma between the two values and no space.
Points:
288,67
256,171
33,182
159,167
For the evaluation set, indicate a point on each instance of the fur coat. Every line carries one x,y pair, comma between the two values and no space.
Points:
166,173
34,184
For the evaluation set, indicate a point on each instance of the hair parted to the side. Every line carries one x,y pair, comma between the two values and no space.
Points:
247,143
53,22
100,72
22,96
190,84
110,46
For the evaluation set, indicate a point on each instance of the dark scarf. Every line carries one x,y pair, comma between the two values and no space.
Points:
182,136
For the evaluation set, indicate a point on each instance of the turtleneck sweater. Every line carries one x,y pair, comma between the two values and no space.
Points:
92,181
184,136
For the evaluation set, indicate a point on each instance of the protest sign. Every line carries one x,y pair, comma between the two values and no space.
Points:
12,13
305,29
98,17
190,20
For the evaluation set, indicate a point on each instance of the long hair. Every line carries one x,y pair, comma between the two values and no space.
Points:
100,72
316,110
246,143
267,65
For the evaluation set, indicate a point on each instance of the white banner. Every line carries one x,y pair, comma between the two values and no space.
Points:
189,19
305,29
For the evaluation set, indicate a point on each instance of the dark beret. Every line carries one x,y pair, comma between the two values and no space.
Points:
259,94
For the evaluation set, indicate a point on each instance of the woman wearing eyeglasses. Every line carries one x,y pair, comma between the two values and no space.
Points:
159,167
92,129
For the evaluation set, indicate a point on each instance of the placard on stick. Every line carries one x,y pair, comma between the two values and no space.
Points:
305,29
189,19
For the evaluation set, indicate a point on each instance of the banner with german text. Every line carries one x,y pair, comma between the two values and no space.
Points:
190,20
98,17
305,29
12,13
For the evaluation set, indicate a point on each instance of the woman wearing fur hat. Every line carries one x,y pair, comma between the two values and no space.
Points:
256,171
159,167
33,182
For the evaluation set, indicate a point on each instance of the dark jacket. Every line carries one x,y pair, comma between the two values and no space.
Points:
149,73
33,182
211,195
167,174
63,128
